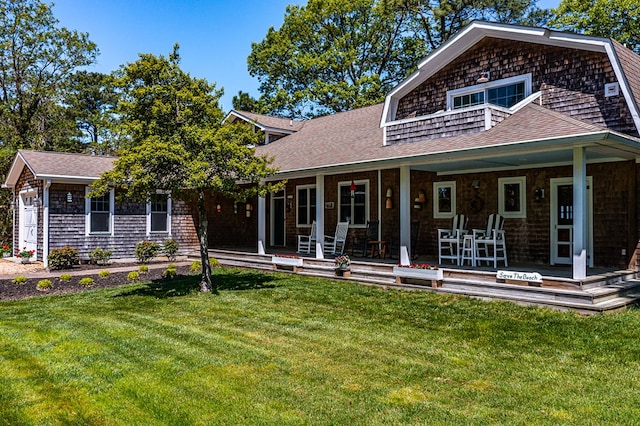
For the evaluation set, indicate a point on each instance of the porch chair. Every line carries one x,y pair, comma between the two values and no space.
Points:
490,244
335,244
450,240
307,242
371,234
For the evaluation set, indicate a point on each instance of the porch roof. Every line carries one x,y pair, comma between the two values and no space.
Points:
58,166
533,136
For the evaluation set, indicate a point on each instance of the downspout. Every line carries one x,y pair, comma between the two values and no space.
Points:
45,224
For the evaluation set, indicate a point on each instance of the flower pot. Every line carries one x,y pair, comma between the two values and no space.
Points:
25,260
343,272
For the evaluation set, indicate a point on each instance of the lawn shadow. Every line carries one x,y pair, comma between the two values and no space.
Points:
183,285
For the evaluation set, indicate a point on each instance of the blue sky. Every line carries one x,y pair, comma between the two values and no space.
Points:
215,36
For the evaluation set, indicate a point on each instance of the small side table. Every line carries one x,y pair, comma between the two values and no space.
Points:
379,248
468,251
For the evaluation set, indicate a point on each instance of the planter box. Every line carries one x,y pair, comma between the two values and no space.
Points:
294,262
433,275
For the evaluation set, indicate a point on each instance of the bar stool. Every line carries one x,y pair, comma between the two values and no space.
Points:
468,250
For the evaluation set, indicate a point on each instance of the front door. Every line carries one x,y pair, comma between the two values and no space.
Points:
29,223
278,214
562,213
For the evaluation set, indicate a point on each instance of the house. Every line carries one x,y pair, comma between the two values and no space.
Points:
51,209
539,126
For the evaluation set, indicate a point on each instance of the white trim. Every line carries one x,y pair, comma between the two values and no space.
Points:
45,223
522,198
87,210
21,205
297,204
484,87
148,214
437,214
275,197
624,84
367,202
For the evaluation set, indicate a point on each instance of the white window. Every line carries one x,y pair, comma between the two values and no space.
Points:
306,205
444,199
99,214
505,93
159,214
512,202
353,206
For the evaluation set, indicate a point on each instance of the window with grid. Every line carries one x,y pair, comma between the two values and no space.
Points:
306,203
159,212
100,214
354,210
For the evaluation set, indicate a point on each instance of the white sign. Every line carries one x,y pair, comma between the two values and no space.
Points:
532,277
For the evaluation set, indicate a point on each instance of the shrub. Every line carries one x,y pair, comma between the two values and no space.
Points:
143,269
133,276
169,273
44,284
86,282
63,258
215,263
196,266
170,249
104,274
171,266
100,256
146,250
66,277
20,279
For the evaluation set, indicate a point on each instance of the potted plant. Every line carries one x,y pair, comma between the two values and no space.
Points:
25,255
6,250
420,271
342,264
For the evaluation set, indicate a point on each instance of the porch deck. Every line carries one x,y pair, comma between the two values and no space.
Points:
604,290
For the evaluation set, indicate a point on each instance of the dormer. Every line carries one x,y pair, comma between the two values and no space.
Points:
273,128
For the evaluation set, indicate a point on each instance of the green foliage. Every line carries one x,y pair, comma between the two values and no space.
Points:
170,249
133,276
169,273
617,19
215,263
44,284
143,269
146,250
86,282
20,279
196,266
100,256
65,277
104,274
63,258
332,56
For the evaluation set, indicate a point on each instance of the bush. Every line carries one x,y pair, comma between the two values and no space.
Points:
63,258
104,274
171,266
100,256
143,269
66,277
196,266
170,249
169,273
44,284
215,263
146,250
20,279
133,276
86,282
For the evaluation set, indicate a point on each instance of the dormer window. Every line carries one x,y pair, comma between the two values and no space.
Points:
504,93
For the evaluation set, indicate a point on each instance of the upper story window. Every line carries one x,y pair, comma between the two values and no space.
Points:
306,205
505,93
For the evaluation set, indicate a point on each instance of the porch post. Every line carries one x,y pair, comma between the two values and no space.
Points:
262,224
405,212
579,213
319,216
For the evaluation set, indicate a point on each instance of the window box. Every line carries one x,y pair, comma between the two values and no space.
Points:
433,275
286,261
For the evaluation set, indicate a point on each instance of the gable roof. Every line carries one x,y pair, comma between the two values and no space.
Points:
266,123
58,166
533,136
623,60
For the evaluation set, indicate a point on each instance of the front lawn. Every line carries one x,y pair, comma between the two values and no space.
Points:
286,349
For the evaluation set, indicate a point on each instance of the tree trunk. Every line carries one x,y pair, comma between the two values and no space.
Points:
206,283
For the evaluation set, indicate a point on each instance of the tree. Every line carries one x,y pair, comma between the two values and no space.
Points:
177,144
245,102
91,98
336,55
618,19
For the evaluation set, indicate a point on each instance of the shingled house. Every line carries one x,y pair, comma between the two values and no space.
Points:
51,209
536,125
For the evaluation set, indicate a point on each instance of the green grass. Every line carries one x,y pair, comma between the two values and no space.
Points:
285,349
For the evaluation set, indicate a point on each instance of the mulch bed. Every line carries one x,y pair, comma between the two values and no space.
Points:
12,291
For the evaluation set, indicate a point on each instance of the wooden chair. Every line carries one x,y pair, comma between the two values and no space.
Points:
371,234
490,243
335,244
450,240
307,242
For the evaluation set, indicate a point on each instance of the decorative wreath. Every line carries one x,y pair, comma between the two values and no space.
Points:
476,204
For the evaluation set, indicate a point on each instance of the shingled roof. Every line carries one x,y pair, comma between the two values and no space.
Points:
59,166
267,122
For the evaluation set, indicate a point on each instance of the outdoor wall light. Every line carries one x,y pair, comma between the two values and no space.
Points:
484,77
69,197
419,200
249,207
539,194
389,201
235,207
218,206
475,184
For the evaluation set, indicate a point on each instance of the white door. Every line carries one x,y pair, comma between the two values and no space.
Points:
562,213
29,222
